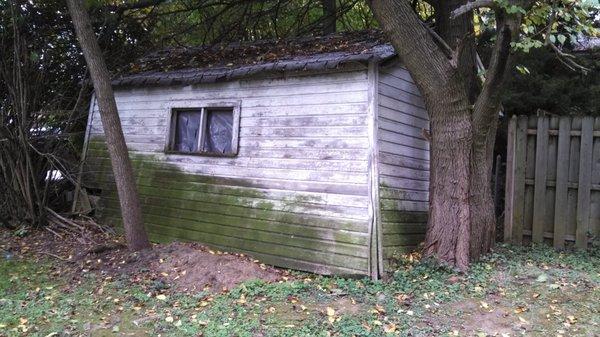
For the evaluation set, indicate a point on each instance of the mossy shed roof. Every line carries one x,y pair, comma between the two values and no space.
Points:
223,62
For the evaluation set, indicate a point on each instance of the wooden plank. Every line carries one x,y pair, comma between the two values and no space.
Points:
375,246
562,179
585,182
541,166
510,180
519,180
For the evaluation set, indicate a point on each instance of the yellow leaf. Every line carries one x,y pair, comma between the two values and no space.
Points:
389,328
330,312
376,322
169,319
520,309
161,297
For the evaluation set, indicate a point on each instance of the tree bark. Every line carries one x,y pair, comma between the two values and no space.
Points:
449,226
131,210
329,16
463,119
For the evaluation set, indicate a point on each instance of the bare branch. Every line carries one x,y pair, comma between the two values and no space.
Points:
466,8
567,59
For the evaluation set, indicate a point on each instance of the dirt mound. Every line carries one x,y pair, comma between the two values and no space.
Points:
194,267
167,267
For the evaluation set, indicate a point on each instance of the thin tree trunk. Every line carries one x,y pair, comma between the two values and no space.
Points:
131,211
483,217
329,16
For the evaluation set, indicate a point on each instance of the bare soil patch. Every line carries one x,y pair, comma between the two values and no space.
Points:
168,267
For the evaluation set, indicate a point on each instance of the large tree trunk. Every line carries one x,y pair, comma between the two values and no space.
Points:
462,222
463,118
131,210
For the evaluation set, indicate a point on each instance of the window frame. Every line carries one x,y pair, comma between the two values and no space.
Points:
202,107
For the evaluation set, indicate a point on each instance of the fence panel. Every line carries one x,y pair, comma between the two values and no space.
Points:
553,180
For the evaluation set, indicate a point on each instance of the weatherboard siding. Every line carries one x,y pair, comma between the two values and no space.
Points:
403,160
296,195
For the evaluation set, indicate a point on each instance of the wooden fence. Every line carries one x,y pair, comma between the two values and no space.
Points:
553,180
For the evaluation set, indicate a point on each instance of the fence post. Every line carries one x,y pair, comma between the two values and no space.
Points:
585,182
541,168
510,176
562,182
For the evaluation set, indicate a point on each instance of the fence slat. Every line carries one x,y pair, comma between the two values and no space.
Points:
510,176
562,179
541,167
585,182
519,180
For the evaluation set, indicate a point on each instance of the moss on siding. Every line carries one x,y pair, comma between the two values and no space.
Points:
290,231
403,231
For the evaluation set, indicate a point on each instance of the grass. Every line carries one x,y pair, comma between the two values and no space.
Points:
514,291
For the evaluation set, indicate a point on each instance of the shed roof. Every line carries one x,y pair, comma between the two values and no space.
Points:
222,62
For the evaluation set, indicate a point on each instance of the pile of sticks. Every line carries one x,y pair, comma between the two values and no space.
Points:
83,228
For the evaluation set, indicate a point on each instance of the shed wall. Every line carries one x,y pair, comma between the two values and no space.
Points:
403,154
295,196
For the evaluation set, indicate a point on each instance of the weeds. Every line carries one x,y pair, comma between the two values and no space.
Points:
513,291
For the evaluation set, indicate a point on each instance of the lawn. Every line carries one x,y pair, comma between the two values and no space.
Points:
512,292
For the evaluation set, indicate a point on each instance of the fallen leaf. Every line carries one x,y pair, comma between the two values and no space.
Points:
161,297
169,319
330,311
389,328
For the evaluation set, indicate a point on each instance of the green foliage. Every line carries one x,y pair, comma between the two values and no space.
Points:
548,85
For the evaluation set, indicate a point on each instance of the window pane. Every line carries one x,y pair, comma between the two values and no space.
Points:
219,126
186,134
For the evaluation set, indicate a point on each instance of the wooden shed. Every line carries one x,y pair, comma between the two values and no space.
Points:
307,153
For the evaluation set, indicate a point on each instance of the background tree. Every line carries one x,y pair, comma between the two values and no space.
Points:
131,210
463,112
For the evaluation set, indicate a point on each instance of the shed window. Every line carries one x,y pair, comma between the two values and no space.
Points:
208,131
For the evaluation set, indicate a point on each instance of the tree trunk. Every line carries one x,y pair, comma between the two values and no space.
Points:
448,229
463,119
131,210
462,222
329,16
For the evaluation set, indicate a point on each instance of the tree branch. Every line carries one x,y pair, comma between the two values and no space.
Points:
489,100
464,9
567,59
415,45
136,5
